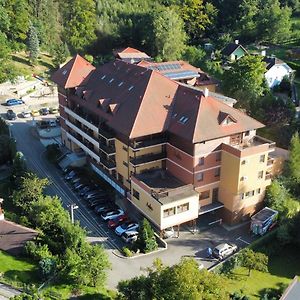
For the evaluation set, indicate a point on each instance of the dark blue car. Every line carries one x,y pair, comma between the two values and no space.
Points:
11,102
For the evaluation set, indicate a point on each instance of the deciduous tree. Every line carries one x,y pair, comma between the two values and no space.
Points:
168,34
245,80
253,260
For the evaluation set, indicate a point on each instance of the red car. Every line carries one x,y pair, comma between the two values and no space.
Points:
112,224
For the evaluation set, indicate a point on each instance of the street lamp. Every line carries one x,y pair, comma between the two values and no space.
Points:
72,207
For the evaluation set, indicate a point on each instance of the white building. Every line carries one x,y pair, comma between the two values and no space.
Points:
276,71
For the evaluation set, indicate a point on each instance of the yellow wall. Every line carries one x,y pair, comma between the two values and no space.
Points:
231,186
156,215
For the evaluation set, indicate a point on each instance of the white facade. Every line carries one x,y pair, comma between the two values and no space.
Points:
275,74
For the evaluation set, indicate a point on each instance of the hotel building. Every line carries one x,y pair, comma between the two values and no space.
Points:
173,151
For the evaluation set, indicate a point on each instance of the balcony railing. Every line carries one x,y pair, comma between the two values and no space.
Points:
108,163
136,145
268,176
109,150
81,119
86,148
105,133
145,159
82,133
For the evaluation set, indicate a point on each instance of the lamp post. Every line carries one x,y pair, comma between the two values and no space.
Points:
72,207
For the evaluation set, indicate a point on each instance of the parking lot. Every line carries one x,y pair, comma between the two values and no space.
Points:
188,244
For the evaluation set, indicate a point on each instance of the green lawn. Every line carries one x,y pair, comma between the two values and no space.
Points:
282,269
17,271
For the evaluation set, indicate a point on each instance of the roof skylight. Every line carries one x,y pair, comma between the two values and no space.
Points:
64,72
183,120
111,80
130,88
121,83
103,77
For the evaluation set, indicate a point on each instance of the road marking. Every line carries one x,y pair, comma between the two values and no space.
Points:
240,239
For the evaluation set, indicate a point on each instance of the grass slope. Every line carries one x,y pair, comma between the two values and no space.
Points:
282,269
17,271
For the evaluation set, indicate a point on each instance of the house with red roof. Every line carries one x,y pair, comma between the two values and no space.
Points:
172,151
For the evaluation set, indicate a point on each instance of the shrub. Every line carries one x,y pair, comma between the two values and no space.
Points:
127,252
47,267
146,240
37,251
53,152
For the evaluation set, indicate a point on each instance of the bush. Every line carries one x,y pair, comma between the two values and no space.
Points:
146,240
37,251
53,152
47,267
127,252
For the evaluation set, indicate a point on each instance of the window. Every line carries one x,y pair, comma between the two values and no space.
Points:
262,158
244,162
247,194
242,196
252,193
135,194
243,178
201,161
125,148
200,176
247,133
204,195
260,174
217,172
169,212
218,156
258,191
182,208
125,164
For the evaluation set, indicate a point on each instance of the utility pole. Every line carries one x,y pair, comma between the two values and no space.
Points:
72,207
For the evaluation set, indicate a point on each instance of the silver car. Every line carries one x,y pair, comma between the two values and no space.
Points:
224,250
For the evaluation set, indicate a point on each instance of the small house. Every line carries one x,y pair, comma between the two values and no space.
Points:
276,71
233,51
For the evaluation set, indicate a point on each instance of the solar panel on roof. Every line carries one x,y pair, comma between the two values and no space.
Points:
182,75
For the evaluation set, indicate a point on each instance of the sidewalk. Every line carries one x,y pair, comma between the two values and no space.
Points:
6,291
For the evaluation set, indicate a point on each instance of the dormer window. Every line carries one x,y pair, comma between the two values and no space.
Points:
226,119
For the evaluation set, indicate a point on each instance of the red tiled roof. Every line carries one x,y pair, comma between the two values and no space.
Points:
73,73
13,237
140,102
130,53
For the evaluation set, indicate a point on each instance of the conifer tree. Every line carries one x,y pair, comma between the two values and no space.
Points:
33,45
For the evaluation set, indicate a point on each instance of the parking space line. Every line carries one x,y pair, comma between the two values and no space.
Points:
240,239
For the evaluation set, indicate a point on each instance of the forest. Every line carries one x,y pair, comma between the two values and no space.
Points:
165,29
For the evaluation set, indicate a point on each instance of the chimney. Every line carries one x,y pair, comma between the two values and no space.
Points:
263,53
206,92
1,210
236,42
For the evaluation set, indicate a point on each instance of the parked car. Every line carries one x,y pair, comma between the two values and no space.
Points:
127,226
70,175
93,194
52,123
115,222
168,232
224,250
35,113
44,111
106,216
105,205
82,191
130,236
12,102
53,110
26,114
98,201
79,185
75,179
11,115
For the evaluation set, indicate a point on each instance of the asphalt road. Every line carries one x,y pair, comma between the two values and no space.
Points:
186,245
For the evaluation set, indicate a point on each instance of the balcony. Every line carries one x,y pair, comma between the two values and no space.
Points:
137,145
82,133
108,163
255,145
268,176
86,148
109,150
81,119
105,132
149,158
